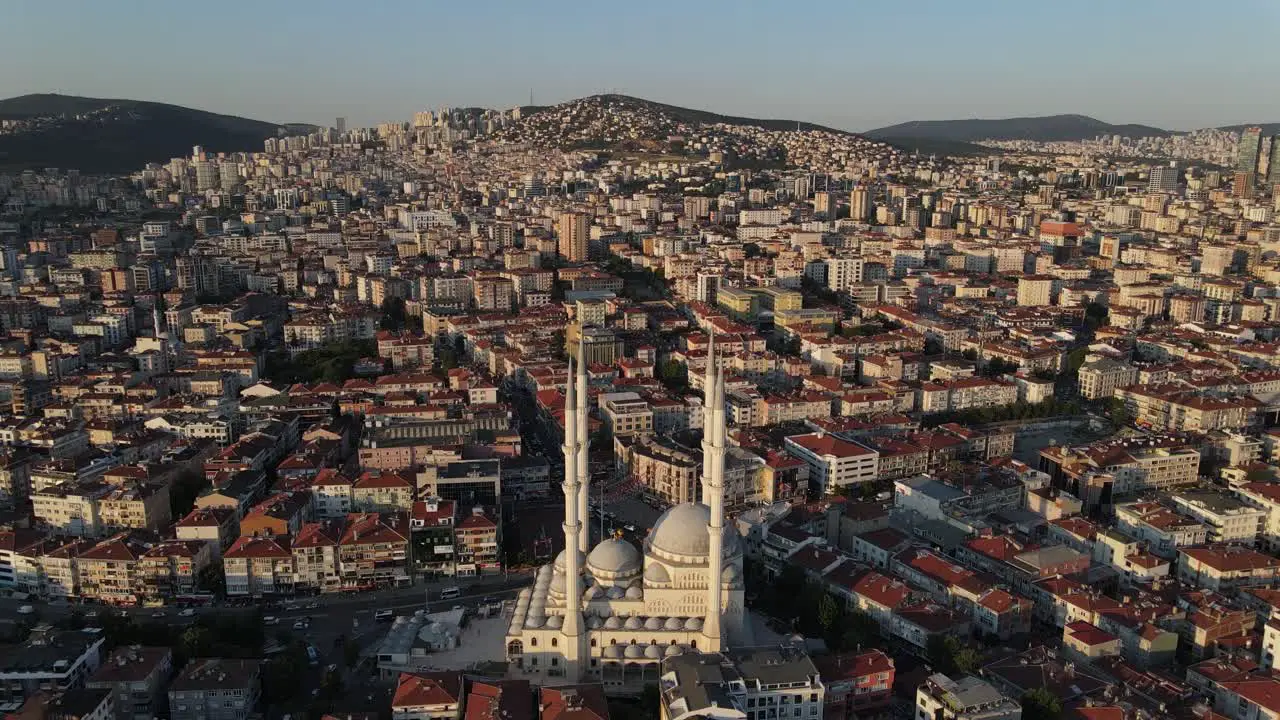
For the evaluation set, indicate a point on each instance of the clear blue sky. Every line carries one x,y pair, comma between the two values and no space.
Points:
854,64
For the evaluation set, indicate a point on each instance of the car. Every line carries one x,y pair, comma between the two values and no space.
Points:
629,527
91,614
26,610
157,614
300,625
270,620
313,605
189,612
381,616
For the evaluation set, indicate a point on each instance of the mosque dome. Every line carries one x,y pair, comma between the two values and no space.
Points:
681,533
555,622
633,623
633,652
653,623
656,573
673,624
653,652
635,593
562,560
672,650
614,558
693,624
613,623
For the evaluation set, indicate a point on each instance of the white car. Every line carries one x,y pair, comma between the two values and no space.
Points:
189,612
300,625
26,610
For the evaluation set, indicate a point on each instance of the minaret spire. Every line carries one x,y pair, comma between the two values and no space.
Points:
584,484
708,395
715,524
572,628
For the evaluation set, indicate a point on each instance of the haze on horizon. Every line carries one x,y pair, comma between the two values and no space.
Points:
1175,64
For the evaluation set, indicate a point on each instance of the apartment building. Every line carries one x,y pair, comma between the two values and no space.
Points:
216,689
1223,567
374,549
626,413
1162,529
968,698
476,543
1099,378
1266,497
1228,518
136,677
834,463
760,682
258,566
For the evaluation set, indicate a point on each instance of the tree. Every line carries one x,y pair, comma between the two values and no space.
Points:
183,492
967,660
1040,704
674,374
1119,414
1095,315
828,613
350,652
196,641
393,314
1075,359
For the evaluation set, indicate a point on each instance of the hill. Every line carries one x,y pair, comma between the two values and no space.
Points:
620,123
1268,129
117,136
1051,128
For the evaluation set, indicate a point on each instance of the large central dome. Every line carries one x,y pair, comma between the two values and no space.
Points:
681,534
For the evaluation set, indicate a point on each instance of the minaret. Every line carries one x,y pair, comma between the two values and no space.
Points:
572,627
584,442
715,525
708,393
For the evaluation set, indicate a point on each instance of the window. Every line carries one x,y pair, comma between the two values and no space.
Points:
533,642
555,642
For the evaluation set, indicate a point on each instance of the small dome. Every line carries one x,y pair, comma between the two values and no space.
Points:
557,583
514,629
672,650
555,622
635,593
673,624
693,624
613,652
613,623
615,593
731,574
633,623
633,652
562,559
614,557
653,623
534,621
656,573
653,652
594,622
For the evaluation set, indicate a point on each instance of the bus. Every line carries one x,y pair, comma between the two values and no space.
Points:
450,593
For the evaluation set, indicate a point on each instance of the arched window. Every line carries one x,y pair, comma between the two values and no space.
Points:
533,642
613,641
693,644
593,642
555,642
515,647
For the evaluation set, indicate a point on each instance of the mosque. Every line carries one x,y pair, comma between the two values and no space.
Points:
611,615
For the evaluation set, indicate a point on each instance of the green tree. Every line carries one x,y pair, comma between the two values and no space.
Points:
941,651
967,660
196,641
828,613
1119,414
393,314
350,652
1075,359
1040,704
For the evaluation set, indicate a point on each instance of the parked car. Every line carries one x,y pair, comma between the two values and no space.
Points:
26,610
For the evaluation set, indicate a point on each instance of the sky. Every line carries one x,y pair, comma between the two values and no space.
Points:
851,64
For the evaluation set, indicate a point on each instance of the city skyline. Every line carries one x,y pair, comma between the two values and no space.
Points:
827,64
